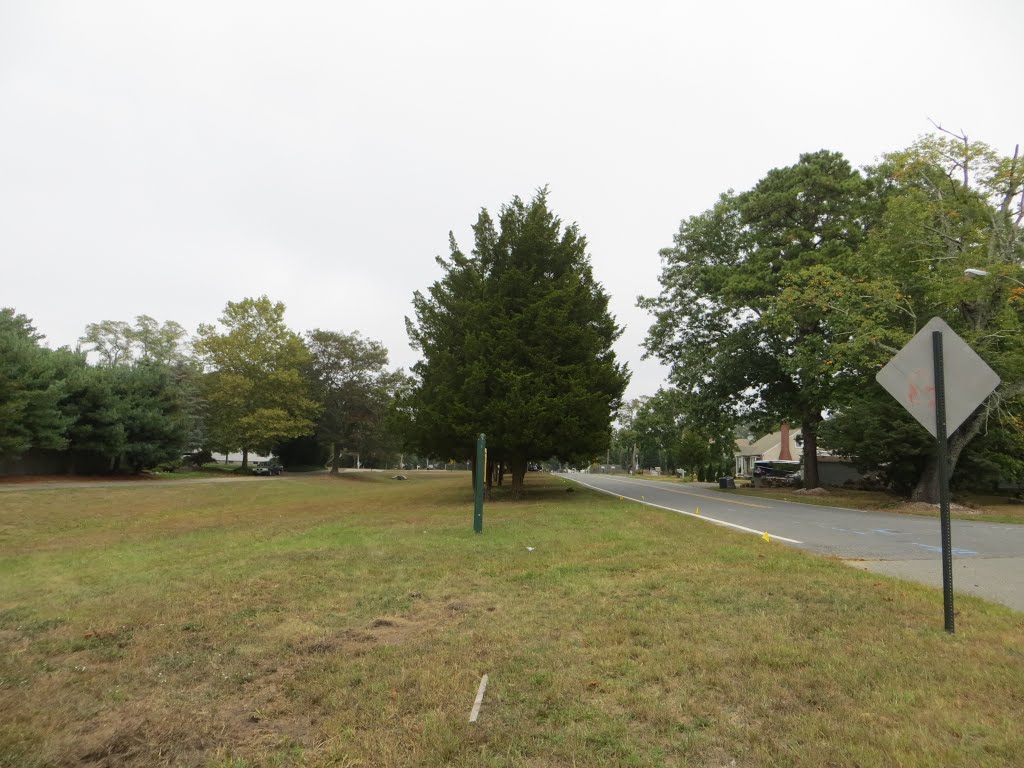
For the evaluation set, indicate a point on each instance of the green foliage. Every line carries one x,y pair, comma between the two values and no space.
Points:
730,319
151,412
116,342
350,379
56,407
662,435
784,301
946,205
254,385
879,436
305,451
516,341
199,458
96,437
121,417
30,390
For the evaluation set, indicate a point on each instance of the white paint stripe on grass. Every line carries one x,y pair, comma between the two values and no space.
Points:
479,700
716,521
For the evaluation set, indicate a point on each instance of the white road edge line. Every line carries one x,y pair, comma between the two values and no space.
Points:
479,700
716,521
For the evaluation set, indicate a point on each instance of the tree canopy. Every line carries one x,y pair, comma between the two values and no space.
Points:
30,390
116,342
735,340
351,381
255,387
784,301
947,205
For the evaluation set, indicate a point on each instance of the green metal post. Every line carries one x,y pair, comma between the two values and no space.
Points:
481,469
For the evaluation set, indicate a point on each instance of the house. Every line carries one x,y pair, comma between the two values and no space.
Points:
832,470
236,458
777,446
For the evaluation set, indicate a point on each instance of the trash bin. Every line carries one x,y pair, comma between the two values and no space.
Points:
726,482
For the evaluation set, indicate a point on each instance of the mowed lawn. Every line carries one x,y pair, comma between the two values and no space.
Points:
347,622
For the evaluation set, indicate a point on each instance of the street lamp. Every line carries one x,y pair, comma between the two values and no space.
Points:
975,272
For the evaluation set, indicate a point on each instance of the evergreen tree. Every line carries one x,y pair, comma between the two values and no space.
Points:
151,409
30,390
516,341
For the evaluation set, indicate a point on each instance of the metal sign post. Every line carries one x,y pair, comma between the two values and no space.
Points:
916,377
481,470
941,452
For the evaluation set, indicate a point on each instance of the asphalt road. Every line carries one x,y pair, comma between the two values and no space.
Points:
988,558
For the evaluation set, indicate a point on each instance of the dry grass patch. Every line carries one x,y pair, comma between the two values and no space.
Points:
347,621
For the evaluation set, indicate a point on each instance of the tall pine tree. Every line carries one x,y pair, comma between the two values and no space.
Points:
517,343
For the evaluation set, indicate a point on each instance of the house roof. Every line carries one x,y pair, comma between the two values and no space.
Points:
769,447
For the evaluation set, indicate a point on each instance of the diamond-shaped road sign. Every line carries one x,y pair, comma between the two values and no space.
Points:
910,377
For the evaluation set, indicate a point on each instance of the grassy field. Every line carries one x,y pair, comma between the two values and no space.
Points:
347,621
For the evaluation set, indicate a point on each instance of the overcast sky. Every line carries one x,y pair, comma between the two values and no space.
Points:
167,157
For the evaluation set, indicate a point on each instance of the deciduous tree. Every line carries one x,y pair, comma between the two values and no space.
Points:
254,386
351,381
116,342
736,343
948,204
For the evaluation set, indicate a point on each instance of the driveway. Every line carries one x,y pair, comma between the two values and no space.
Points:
988,558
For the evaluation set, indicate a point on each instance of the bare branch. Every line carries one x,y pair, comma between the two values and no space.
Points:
962,136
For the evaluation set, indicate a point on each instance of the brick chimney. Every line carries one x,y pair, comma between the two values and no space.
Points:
784,454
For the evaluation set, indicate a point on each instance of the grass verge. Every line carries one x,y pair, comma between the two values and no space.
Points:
966,506
347,621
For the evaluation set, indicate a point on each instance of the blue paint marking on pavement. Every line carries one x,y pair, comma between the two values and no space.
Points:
849,530
955,550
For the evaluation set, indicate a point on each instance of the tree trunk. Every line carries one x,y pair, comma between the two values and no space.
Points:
334,459
518,468
809,432
245,459
501,473
927,488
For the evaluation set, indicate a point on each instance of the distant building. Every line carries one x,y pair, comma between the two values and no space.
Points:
783,446
777,446
236,458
